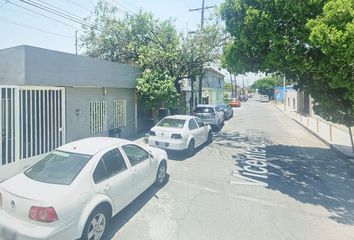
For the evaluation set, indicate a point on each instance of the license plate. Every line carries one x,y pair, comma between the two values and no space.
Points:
161,144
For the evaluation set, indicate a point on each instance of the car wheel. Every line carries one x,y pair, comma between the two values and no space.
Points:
161,174
210,137
190,149
219,126
96,224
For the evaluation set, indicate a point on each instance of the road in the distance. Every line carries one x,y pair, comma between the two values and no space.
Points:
263,177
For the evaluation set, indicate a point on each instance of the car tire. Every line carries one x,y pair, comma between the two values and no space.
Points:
96,224
219,126
210,137
161,174
190,149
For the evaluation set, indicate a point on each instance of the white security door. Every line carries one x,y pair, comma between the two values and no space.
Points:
32,121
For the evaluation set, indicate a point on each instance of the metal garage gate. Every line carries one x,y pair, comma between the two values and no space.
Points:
32,121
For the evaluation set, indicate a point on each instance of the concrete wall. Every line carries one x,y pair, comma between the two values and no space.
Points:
12,66
291,100
25,65
78,127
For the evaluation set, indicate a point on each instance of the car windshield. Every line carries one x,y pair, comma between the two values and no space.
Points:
58,167
171,123
204,110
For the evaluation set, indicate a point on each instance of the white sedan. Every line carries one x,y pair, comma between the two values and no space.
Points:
75,190
180,132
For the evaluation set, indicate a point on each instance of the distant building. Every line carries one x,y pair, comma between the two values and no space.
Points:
212,86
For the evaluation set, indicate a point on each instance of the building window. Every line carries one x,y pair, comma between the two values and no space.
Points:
98,117
119,113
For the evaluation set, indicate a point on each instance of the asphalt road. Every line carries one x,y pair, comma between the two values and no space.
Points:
263,177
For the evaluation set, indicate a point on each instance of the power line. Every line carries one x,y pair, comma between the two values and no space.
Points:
33,28
203,8
78,5
122,6
94,5
57,9
3,4
43,15
55,12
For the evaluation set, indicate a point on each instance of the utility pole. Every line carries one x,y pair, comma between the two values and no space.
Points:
284,92
76,42
203,8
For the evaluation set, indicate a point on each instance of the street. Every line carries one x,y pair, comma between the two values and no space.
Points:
263,177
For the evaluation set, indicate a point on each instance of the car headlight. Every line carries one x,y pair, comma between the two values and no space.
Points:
176,136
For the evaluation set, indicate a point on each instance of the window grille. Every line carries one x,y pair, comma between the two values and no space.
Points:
98,117
119,113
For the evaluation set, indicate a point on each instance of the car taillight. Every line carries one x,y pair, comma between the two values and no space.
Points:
43,214
176,136
152,133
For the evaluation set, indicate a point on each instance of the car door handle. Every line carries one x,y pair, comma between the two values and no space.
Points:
107,188
136,172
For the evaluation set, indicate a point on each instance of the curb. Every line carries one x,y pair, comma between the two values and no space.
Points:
330,145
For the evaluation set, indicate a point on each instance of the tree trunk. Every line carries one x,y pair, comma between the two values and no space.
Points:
155,115
351,137
191,100
200,90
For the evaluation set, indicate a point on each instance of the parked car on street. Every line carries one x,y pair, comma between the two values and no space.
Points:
180,132
264,98
234,102
74,191
210,114
227,109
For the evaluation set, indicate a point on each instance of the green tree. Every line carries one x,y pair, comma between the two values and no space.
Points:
155,88
266,85
141,40
332,35
309,41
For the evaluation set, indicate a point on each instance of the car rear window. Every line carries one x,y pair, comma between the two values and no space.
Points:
204,110
58,167
171,123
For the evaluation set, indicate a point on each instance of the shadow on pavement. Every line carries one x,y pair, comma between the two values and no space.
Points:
123,217
311,175
316,176
182,155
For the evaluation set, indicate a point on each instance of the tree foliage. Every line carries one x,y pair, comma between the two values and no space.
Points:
141,40
155,88
266,85
332,35
155,46
309,41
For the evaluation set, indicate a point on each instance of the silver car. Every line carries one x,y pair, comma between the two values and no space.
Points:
210,114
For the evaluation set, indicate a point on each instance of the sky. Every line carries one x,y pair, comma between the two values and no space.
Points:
23,24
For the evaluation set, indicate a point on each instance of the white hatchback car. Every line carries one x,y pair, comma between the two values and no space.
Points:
180,132
75,190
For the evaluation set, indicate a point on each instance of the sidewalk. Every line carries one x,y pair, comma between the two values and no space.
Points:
139,139
334,137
